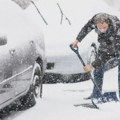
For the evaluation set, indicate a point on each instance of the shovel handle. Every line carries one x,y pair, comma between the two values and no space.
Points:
77,52
83,63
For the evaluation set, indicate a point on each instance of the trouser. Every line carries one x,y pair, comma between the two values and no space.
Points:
98,78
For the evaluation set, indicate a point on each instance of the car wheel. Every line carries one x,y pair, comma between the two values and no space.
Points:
4,112
37,81
35,90
92,54
37,86
27,101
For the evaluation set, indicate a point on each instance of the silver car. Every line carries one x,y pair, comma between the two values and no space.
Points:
22,57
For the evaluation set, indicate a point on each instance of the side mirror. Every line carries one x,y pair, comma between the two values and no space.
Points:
3,40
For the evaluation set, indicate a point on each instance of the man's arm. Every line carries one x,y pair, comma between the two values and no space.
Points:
86,29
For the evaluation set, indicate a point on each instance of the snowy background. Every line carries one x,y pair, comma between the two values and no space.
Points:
59,99
59,36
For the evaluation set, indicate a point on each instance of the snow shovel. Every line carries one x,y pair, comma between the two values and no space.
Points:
103,98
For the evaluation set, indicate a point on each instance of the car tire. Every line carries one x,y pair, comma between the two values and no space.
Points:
35,90
37,87
38,81
4,112
28,100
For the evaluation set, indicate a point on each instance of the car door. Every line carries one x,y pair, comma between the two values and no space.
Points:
6,78
22,68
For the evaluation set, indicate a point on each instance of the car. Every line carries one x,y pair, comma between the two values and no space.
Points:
22,57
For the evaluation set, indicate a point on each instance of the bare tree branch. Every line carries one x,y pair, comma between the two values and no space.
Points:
39,13
62,14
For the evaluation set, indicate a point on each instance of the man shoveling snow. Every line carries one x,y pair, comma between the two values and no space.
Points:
108,29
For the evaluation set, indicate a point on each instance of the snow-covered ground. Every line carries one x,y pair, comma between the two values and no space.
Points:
59,99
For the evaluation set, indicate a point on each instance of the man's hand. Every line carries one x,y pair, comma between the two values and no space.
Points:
88,68
75,43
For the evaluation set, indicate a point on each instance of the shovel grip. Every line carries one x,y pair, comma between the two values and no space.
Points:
77,52
74,49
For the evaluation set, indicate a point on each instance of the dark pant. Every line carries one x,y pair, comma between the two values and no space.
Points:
98,78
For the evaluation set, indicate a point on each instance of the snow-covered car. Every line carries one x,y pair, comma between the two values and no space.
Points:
22,57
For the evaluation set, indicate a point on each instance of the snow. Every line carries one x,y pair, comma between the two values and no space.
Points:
58,104
59,99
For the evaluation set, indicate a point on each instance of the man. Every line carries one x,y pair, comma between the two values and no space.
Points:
108,29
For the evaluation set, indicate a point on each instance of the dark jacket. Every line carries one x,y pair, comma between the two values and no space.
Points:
109,41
